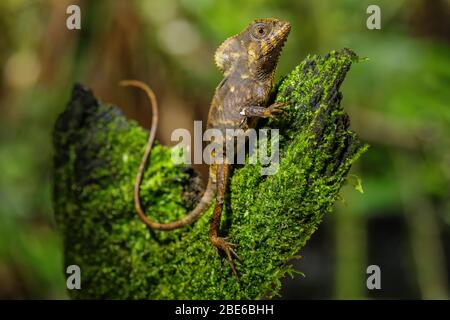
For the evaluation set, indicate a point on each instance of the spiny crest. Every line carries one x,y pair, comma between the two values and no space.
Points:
224,54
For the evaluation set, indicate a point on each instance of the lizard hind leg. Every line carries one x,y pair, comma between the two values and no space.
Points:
221,243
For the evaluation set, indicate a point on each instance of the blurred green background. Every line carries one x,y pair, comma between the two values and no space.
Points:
398,102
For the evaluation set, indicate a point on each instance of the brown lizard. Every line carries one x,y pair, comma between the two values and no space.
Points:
248,61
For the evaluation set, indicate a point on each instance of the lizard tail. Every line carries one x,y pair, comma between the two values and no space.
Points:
208,195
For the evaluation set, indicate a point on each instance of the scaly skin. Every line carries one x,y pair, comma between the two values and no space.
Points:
248,61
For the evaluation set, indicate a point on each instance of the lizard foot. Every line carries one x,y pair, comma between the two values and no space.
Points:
262,112
221,243
275,109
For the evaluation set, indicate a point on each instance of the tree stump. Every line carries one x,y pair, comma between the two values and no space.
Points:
97,153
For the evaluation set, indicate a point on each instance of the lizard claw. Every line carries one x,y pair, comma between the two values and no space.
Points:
230,248
276,108
221,243
242,123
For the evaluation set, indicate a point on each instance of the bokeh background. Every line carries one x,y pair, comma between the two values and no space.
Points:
398,102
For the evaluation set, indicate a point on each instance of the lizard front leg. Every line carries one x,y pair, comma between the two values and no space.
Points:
221,243
263,112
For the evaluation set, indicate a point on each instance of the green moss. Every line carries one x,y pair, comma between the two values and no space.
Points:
97,153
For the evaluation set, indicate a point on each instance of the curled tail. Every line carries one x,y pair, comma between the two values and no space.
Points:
208,195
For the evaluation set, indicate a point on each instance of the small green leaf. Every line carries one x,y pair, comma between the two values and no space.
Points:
356,182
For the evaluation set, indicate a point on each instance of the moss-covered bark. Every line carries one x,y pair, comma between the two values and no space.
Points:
97,152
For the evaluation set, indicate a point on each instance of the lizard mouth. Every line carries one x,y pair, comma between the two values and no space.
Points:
280,37
285,29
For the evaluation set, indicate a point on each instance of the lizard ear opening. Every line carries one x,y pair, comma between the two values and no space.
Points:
226,54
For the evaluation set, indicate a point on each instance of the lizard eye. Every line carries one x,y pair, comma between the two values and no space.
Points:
260,30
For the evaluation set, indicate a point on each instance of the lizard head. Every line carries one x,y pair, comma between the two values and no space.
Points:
254,52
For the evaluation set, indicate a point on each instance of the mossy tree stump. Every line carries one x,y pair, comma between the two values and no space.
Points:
97,153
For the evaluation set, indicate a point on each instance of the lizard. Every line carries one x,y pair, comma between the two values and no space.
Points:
248,62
